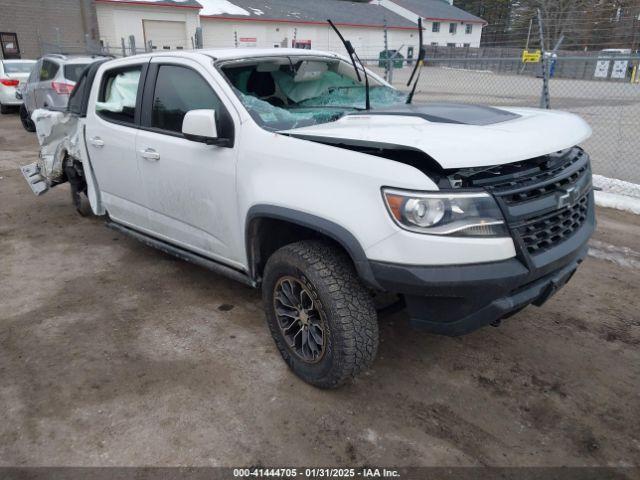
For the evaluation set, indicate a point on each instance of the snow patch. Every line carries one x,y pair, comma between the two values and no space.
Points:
619,202
623,256
221,7
613,185
617,194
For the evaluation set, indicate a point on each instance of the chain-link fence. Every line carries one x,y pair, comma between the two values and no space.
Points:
603,88
604,91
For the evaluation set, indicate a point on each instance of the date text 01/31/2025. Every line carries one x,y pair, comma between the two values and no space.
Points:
315,473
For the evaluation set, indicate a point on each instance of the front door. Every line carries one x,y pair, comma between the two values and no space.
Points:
111,138
190,186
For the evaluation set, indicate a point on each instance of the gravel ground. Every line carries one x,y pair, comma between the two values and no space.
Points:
112,353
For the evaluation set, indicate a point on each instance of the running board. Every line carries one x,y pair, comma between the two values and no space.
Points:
36,181
183,254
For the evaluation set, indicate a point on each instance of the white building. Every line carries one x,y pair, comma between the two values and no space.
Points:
444,25
172,24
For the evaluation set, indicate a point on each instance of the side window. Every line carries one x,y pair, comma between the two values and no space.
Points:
49,70
118,94
179,90
33,77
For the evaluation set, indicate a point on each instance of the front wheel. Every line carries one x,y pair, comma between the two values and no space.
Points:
25,118
320,315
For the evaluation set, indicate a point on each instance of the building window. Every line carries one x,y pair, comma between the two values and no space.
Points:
468,29
9,44
453,28
451,45
434,44
467,45
435,28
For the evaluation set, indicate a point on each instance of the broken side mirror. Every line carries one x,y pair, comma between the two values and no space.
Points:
202,126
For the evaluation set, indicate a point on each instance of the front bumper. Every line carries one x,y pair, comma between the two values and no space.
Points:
458,299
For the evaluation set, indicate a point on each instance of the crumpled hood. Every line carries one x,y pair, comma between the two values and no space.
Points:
514,134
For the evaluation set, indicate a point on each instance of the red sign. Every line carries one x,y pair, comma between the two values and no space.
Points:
248,39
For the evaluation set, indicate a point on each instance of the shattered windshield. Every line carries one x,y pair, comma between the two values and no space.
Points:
284,93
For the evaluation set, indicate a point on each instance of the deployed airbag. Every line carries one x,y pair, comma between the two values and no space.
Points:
298,90
121,92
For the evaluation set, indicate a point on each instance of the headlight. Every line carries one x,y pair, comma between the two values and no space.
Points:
442,213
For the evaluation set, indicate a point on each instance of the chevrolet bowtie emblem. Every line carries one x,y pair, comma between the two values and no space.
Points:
568,197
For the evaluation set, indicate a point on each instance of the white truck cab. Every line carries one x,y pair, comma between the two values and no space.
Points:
265,165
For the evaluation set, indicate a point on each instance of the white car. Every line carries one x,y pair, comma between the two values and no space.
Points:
266,166
13,74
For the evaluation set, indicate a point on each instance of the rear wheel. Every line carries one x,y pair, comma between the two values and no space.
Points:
78,184
25,118
321,317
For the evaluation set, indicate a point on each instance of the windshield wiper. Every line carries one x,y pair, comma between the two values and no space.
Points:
419,63
354,56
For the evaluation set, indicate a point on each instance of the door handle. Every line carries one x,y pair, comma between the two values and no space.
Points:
150,154
97,142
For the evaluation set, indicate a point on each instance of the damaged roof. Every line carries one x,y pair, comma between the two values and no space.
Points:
438,10
305,11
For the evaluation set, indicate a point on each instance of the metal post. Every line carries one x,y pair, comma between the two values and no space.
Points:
544,98
199,38
58,40
124,47
529,34
393,59
132,45
388,64
524,65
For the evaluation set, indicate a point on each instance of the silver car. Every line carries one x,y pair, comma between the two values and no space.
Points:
50,83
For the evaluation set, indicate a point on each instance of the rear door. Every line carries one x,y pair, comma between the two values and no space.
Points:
112,125
44,90
190,187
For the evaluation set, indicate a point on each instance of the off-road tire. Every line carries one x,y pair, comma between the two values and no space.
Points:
27,123
4,109
351,324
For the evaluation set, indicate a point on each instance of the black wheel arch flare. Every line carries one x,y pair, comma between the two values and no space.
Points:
312,222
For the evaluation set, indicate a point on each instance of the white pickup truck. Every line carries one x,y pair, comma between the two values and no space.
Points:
266,166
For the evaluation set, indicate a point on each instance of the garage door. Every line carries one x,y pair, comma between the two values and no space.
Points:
165,35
